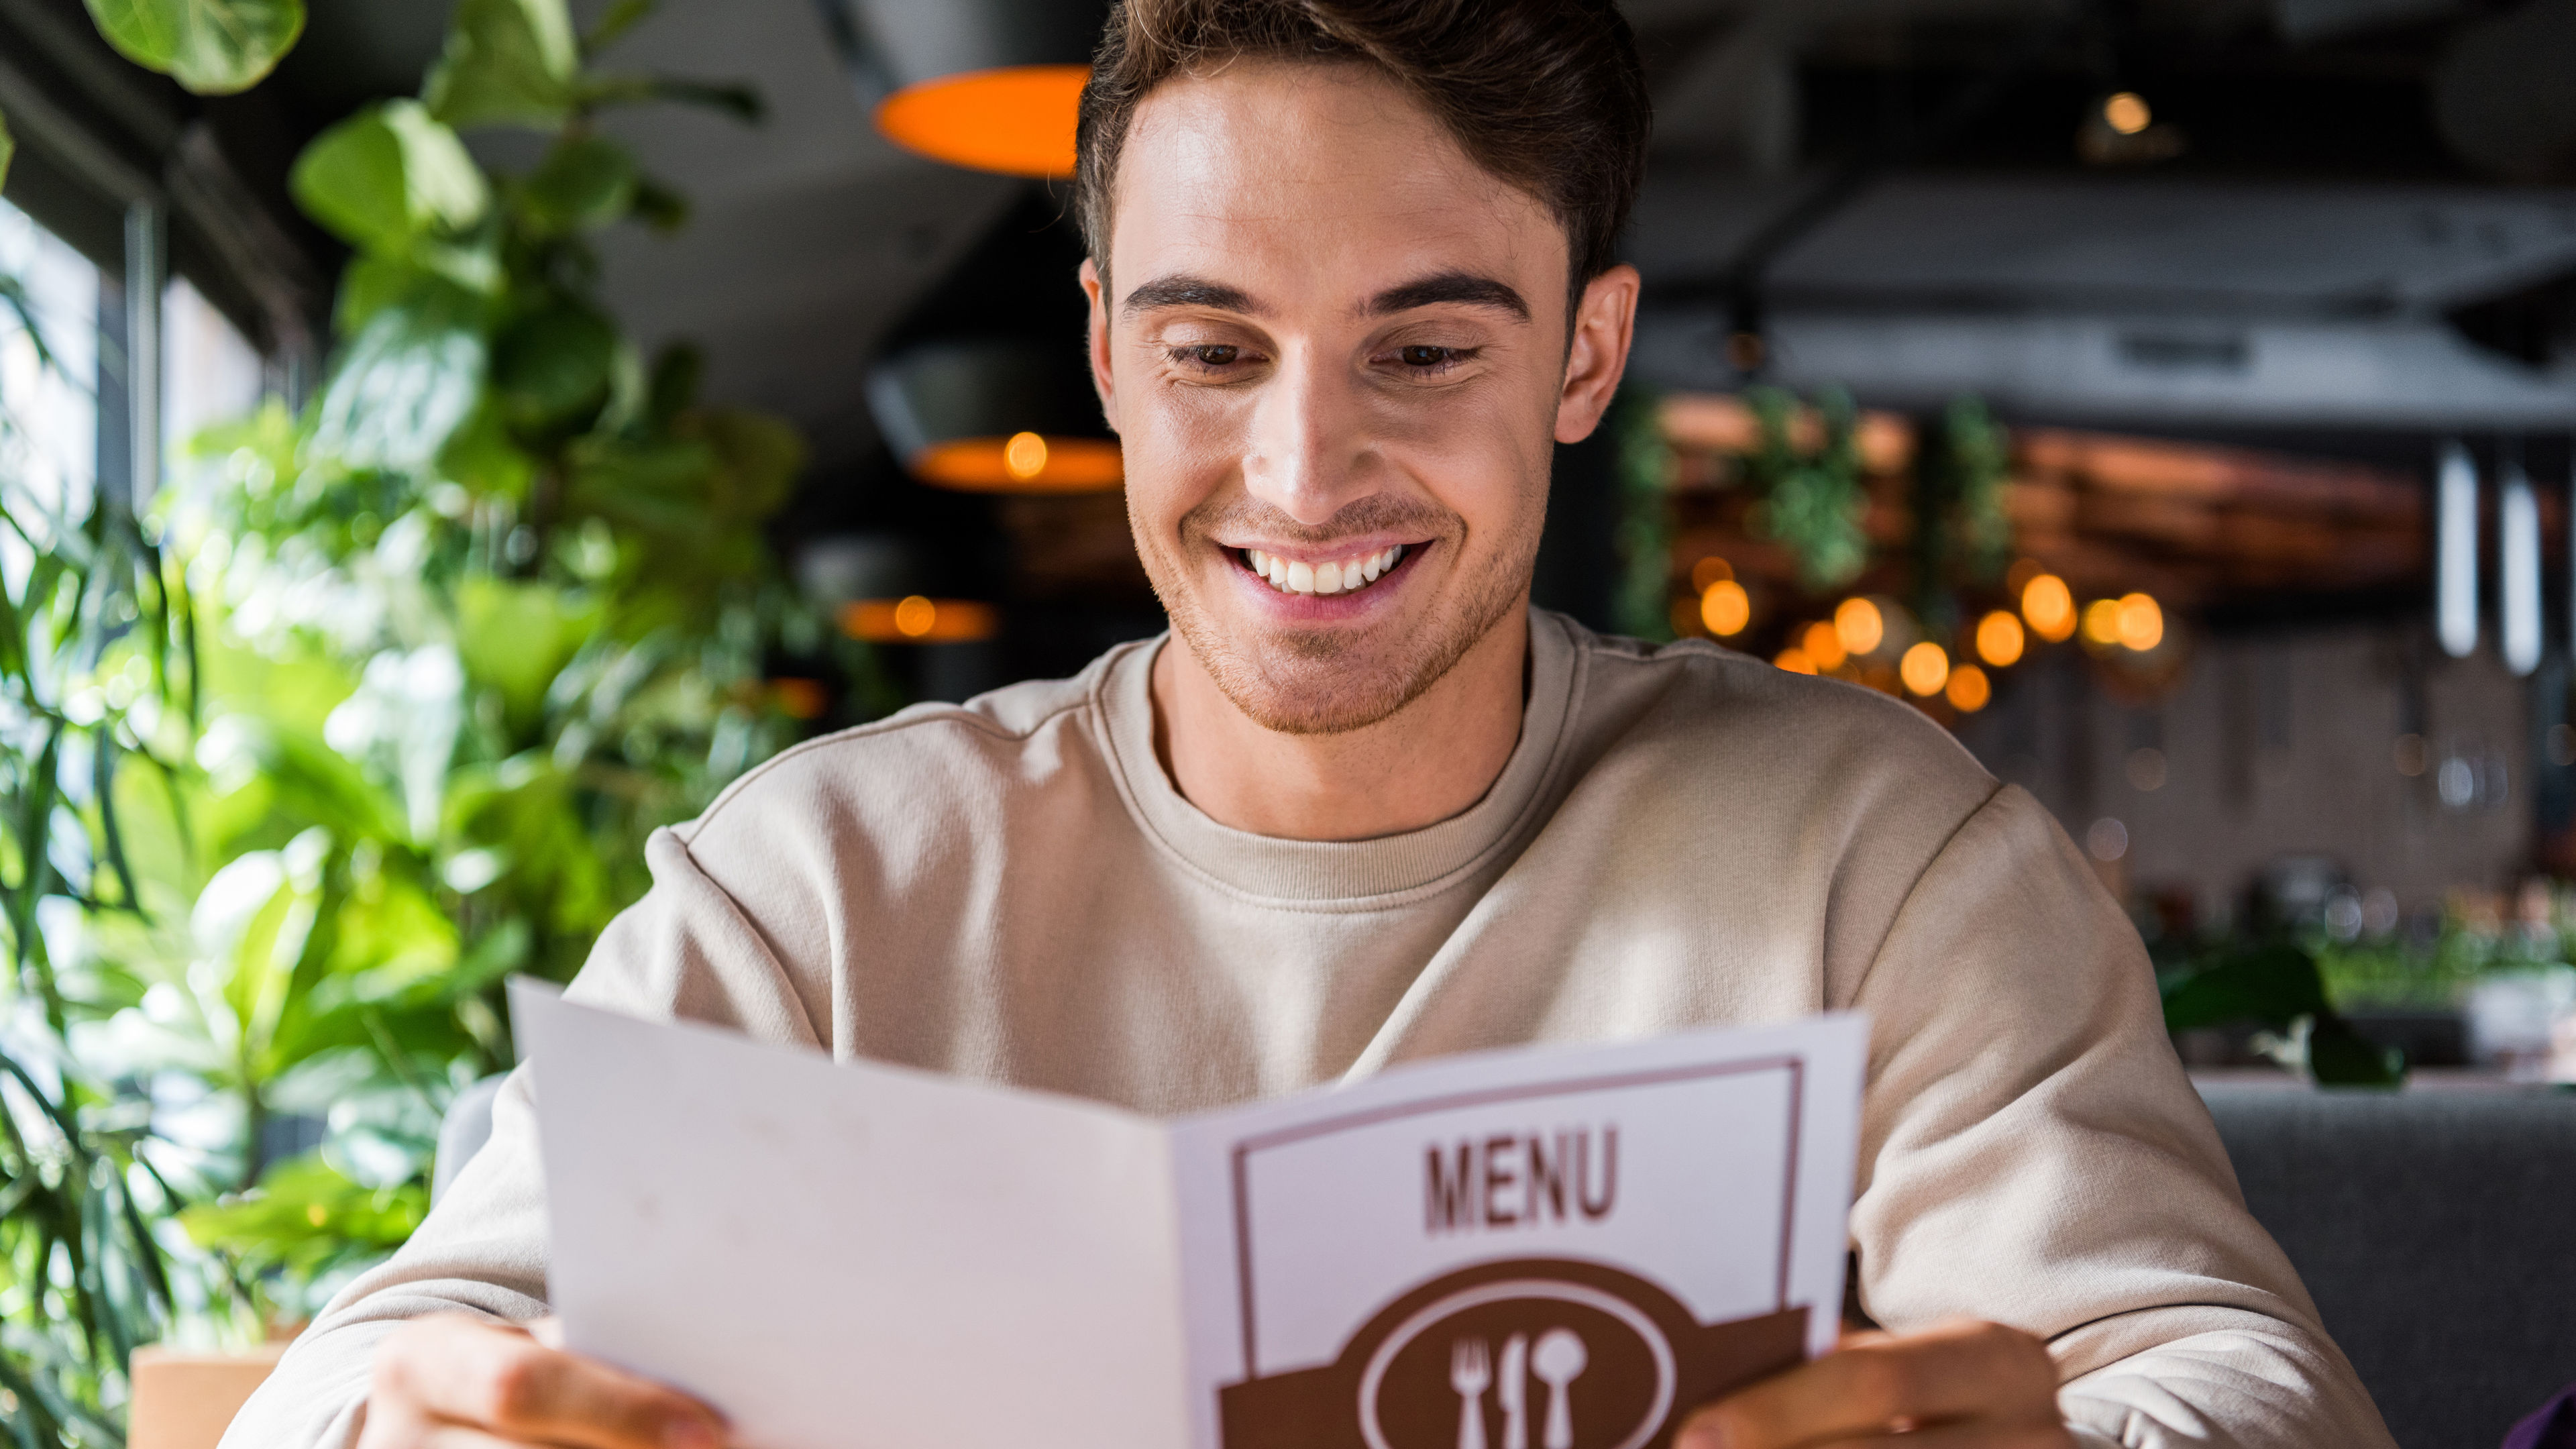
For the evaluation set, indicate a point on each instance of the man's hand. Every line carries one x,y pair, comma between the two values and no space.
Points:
1953,1386
457,1382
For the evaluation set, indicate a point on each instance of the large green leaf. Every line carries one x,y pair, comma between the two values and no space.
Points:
585,182
516,637
213,47
389,177
554,367
508,62
408,379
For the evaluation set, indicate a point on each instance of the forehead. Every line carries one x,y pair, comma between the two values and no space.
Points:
1322,181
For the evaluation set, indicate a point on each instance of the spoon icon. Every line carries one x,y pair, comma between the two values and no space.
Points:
1558,1359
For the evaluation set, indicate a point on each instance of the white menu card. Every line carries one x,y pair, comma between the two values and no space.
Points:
1540,1248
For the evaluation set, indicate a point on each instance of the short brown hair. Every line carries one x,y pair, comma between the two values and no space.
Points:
1545,94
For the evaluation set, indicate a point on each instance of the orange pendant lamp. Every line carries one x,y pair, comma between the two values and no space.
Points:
993,85
994,415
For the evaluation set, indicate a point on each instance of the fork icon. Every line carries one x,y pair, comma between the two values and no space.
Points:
1470,1374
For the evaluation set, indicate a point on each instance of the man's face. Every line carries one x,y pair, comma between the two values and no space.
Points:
1334,350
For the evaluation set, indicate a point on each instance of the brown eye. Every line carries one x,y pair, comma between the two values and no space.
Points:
1423,356
1214,356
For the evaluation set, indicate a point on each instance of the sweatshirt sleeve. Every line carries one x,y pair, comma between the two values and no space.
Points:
2032,1154
685,950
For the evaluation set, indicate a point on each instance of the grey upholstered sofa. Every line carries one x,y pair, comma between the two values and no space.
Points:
2436,1229
2438,1232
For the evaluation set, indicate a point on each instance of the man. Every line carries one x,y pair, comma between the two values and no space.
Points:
1351,280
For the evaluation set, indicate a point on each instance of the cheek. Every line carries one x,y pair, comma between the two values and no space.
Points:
1181,446
1488,464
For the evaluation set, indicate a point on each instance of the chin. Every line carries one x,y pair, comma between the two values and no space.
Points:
1332,681
1291,686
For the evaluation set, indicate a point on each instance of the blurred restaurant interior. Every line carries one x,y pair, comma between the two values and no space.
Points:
2173,398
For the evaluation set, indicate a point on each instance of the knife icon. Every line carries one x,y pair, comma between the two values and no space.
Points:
1511,1392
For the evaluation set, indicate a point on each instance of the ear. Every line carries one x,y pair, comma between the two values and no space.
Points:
1605,323
1098,349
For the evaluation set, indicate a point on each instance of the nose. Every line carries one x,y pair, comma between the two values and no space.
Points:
1310,452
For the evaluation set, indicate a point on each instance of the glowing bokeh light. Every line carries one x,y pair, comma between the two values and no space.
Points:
2049,606
2128,113
915,619
1024,456
1725,608
1999,639
1859,625
2102,623
1969,689
1925,668
1795,661
1022,463
2141,623
1708,571
1824,644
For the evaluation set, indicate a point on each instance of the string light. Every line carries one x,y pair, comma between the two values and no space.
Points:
2141,623
1969,689
1999,639
2102,623
1725,608
2049,606
1823,644
2127,113
1925,668
1859,625
1794,660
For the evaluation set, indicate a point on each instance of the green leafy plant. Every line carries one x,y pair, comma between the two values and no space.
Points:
212,47
93,644
295,773
1811,498
1962,537
2276,984
1642,605
490,611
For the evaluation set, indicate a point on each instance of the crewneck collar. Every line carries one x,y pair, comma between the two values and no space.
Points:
1357,874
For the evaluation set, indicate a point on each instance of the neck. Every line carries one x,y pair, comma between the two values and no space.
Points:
1417,767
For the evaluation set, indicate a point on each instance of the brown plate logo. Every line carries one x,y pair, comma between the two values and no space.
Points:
1517,1354
1568,1367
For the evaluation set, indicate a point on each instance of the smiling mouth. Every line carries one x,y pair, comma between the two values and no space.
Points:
1339,576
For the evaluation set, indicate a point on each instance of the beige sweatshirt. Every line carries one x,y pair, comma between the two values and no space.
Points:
1013,890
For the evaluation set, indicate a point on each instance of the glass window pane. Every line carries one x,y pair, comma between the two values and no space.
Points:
209,374
48,415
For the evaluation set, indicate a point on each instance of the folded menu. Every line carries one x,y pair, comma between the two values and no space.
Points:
1539,1248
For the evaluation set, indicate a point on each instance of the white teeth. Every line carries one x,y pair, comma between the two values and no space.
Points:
1334,576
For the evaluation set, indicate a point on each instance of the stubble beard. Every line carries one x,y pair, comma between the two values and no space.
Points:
1334,681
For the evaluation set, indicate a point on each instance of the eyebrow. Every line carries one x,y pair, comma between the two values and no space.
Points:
1444,288
1459,288
1183,290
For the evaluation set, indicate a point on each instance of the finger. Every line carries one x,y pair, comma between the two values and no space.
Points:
469,1372
1961,1435
1976,1371
466,1436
